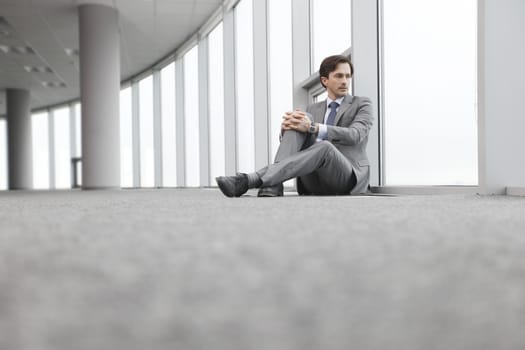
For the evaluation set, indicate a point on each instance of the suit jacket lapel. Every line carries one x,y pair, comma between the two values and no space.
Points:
320,111
345,105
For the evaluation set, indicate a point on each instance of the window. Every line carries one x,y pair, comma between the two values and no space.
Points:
169,144
126,139
40,148
321,97
78,142
147,154
280,60
332,29
191,117
216,96
78,130
3,154
430,92
244,86
62,147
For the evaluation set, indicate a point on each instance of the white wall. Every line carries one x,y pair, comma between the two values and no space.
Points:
501,62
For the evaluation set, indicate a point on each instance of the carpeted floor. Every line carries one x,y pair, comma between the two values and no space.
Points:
191,269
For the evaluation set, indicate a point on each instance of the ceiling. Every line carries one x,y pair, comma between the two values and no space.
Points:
39,41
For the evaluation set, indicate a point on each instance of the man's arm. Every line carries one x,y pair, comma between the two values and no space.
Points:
358,129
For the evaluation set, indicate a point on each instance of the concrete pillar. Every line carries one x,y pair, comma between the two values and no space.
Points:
501,72
99,95
19,148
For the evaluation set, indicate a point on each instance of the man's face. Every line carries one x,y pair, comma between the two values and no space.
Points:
338,81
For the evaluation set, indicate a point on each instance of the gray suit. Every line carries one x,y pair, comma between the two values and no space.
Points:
337,165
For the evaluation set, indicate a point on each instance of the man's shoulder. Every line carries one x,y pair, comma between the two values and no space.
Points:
316,105
359,99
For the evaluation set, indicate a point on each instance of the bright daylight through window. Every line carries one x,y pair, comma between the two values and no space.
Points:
430,92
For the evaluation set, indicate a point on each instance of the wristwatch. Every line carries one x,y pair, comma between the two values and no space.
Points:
311,130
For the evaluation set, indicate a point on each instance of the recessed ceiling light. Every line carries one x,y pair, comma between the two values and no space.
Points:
54,84
20,50
71,52
38,69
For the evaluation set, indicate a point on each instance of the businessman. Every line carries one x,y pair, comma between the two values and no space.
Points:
323,147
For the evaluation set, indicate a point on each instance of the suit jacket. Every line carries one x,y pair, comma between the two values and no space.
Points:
349,134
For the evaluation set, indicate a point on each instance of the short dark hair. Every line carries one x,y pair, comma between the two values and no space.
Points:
330,63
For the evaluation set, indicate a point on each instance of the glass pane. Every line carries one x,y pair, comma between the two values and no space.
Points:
40,147
78,130
147,155
216,96
244,86
126,139
332,28
321,97
62,148
3,154
191,117
281,84
430,92
169,144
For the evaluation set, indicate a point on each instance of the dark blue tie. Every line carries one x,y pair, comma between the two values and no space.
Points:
333,110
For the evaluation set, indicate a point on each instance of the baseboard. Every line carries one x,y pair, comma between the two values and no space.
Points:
516,191
425,190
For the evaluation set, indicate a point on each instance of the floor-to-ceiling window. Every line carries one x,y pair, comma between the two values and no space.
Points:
40,149
61,147
77,152
430,92
147,154
78,130
216,102
126,138
191,117
331,28
169,141
244,85
3,154
280,61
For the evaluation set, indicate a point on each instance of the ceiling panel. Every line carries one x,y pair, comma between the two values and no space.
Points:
150,30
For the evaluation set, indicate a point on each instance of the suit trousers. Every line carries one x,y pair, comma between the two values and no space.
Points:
321,167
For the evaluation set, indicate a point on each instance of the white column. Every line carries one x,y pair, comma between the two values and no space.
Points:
135,133
99,94
204,120
301,50
365,58
230,119
19,150
179,122
261,102
157,127
501,72
51,149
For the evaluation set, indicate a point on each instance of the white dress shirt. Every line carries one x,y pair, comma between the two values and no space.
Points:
323,130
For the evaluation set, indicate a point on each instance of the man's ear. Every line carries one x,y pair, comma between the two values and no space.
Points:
323,81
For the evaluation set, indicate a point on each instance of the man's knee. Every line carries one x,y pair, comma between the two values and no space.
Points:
326,146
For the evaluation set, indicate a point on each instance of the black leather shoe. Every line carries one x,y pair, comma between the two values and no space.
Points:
271,191
233,186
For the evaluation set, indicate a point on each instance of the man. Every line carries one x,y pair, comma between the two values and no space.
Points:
324,147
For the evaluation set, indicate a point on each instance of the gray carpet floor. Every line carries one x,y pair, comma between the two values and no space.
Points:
191,269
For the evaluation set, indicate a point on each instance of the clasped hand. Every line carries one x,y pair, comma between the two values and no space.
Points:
295,120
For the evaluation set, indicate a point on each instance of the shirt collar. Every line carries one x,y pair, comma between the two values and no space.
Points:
338,100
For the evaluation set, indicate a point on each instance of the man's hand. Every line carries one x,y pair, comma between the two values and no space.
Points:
296,120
